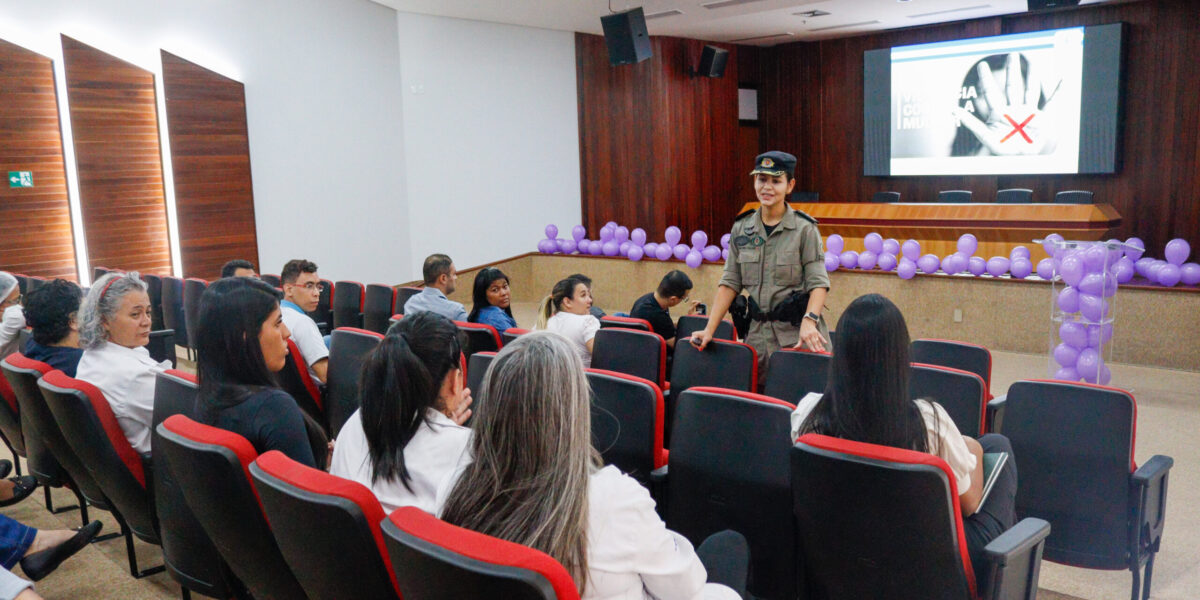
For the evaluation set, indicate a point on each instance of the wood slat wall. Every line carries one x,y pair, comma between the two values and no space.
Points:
210,157
811,97
35,222
657,146
114,122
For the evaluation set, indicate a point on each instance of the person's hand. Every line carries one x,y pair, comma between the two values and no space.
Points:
695,307
462,409
810,337
700,339
329,455
1008,121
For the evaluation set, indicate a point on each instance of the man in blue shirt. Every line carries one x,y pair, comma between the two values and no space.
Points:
440,278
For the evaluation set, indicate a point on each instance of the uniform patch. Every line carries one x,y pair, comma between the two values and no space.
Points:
741,241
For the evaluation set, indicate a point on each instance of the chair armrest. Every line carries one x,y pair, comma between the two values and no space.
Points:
995,413
1014,561
658,490
1150,501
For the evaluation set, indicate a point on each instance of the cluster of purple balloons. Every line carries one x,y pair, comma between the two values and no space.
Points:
618,240
1090,273
1169,272
907,259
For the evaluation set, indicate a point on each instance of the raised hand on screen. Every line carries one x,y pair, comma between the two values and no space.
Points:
1008,120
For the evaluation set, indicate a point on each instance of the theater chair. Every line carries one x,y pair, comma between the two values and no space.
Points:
1073,197
434,560
961,393
347,304
190,557
98,272
10,422
322,315
1014,196
881,522
172,307
162,346
963,356
626,322
480,337
477,367
885,197
154,290
627,423
20,379
34,282
327,529
402,296
212,467
642,354
689,324
271,280
792,373
1074,444
805,197
729,470
348,349
512,333
723,364
192,290
954,196
23,282
378,307
295,379
92,432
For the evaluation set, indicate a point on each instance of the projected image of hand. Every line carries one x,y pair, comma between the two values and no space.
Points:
1008,119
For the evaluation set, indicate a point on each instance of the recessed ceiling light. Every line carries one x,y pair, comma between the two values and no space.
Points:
665,13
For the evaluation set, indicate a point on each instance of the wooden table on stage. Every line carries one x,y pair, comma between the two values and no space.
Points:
937,226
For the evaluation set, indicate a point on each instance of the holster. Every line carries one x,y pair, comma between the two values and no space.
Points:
739,310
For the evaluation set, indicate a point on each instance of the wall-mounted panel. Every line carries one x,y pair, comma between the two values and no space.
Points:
210,158
35,221
114,123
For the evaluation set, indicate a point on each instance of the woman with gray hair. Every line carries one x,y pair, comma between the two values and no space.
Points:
536,480
13,320
114,328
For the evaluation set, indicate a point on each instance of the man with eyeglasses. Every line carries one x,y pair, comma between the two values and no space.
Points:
440,278
655,307
13,320
301,292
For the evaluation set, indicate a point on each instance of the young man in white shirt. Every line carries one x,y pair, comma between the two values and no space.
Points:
440,278
301,293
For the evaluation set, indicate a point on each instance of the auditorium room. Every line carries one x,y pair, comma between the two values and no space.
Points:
791,299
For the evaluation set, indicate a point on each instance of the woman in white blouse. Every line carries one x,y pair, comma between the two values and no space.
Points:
567,312
867,400
408,437
114,330
536,480
12,319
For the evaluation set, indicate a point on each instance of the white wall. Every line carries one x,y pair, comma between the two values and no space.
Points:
491,136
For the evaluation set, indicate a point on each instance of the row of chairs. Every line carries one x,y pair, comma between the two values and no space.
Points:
1007,196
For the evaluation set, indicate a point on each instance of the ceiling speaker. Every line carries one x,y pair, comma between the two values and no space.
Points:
626,37
712,62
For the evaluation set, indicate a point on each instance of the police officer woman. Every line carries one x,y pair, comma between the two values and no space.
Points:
775,255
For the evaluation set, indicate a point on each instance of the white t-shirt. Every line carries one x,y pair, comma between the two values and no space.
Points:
11,325
943,436
306,335
579,329
127,377
431,456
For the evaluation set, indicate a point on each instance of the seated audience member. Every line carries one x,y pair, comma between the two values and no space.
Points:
565,312
238,268
594,310
114,328
52,311
301,293
536,480
492,300
867,401
241,343
654,307
39,552
440,278
407,438
13,320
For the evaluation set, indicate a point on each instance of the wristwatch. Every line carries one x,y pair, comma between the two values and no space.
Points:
814,316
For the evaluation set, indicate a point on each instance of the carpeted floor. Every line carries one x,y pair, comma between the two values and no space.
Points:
1168,423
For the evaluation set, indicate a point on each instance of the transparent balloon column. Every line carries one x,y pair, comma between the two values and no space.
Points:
1083,300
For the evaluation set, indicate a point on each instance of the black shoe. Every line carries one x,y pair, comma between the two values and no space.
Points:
5,468
41,564
22,487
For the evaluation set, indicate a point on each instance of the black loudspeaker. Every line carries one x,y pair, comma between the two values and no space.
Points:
1049,4
626,37
712,62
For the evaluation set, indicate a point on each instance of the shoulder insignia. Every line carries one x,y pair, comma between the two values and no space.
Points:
805,216
744,214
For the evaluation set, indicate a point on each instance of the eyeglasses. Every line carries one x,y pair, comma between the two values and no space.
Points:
312,287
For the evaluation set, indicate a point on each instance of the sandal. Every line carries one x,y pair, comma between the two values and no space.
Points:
22,487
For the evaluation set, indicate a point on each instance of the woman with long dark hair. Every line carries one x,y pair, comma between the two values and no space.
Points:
492,300
242,342
867,400
408,437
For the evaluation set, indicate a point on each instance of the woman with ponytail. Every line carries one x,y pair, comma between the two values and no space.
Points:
567,312
408,435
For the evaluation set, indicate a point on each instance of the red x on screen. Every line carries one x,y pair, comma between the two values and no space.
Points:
1018,128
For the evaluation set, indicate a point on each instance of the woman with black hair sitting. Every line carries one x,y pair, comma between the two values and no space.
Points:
492,300
52,311
408,437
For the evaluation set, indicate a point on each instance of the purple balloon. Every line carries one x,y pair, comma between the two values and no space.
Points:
1169,275
649,248
906,269
567,246
1067,374
868,259
546,246
886,261
997,266
1110,285
1068,300
948,265
623,249
1113,248
725,254
1019,252
636,253
977,266
1153,269
1065,355
638,236
1050,243
673,235
578,232
1142,266
929,263
1177,251
1088,364
725,241
1073,334
961,262
699,239
611,225
1020,267
1098,335
551,231
663,252
967,244
596,248
1124,270
693,259
849,259
1104,375
1094,258
911,250
1139,248
832,261
1189,274
874,243
622,234
1092,283
681,251
891,246
835,244
558,245
607,233
1093,307
1071,269
1045,269
711,253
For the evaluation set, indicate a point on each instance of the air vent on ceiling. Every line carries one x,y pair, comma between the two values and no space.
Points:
762,38
665,13
846,26
952,10
812,13
724,3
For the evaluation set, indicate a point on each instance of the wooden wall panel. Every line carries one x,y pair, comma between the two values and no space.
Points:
210,158
114,122
36,221
812,106
658,147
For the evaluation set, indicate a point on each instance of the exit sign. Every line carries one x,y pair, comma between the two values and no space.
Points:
20,179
